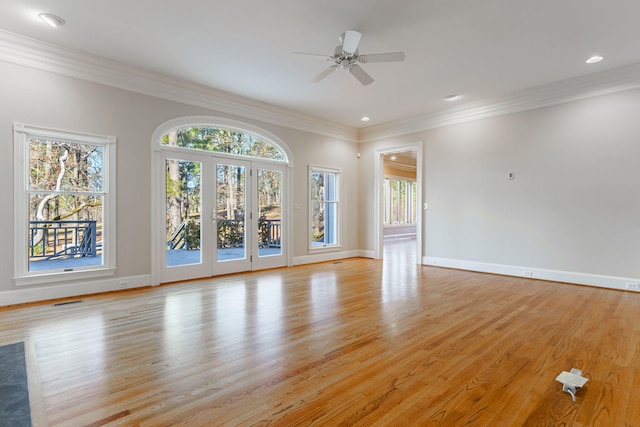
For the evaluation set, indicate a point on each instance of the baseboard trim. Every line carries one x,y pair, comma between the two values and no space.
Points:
600,281
330,256
33,294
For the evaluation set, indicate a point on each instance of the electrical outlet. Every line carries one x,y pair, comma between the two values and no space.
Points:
632,285
124,284
527,273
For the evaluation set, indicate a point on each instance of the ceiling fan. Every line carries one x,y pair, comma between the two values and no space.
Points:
347,57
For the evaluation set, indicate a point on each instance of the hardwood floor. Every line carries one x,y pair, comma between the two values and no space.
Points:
357,342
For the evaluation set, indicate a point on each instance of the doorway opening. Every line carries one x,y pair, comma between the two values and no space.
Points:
399,203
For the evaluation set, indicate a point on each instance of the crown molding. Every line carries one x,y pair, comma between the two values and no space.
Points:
24,51
589,86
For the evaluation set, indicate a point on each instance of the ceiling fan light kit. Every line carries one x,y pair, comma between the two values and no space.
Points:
347,57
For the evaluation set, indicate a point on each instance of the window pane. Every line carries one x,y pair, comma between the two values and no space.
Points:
223,141
183,211
330,224
269,212
317,223
65,231
395,196
324,224
317,186
62,166
330,187
402,204
230,207
324,208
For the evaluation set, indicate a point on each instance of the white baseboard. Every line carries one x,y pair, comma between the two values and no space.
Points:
330,256
611,282
367,254
33,294
62,290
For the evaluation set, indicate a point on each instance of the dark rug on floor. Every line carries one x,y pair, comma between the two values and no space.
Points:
14,391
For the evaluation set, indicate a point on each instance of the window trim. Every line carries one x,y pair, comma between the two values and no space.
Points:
338,244
21,135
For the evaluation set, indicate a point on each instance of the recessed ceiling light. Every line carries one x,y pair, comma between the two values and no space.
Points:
594,59
53,20
393,157
365,119
452,97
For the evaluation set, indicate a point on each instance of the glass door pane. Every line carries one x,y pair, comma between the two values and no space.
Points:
231,185
269,187
183,198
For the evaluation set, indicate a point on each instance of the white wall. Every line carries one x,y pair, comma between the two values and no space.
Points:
572,212
40,98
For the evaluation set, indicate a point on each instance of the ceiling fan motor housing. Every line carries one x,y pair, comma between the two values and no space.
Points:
343,59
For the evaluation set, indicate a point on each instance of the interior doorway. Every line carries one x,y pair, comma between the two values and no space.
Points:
399,203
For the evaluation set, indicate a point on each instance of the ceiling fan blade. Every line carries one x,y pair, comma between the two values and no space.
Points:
382,57
351,41
361,75
324,74
317,55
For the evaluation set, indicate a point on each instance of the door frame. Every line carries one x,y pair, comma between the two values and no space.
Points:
158,223
378,214
253,259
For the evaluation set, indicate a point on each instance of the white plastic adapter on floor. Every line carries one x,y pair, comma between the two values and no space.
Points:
571,381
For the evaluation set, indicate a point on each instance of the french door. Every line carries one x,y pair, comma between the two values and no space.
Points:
218,215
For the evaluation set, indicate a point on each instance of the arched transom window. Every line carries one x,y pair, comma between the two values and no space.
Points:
222,140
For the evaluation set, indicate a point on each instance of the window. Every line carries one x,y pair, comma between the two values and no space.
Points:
223,140
65,205
400,196
324,191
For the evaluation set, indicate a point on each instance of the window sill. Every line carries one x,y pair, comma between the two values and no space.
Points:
37,279
325,248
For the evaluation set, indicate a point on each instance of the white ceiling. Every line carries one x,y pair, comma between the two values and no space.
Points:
483,50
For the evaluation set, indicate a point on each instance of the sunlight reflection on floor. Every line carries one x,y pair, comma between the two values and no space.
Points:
399,270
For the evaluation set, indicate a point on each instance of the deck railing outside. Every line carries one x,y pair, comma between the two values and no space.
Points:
49,239
230,234
272,237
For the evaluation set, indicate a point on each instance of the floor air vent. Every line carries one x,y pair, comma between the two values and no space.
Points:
58,304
